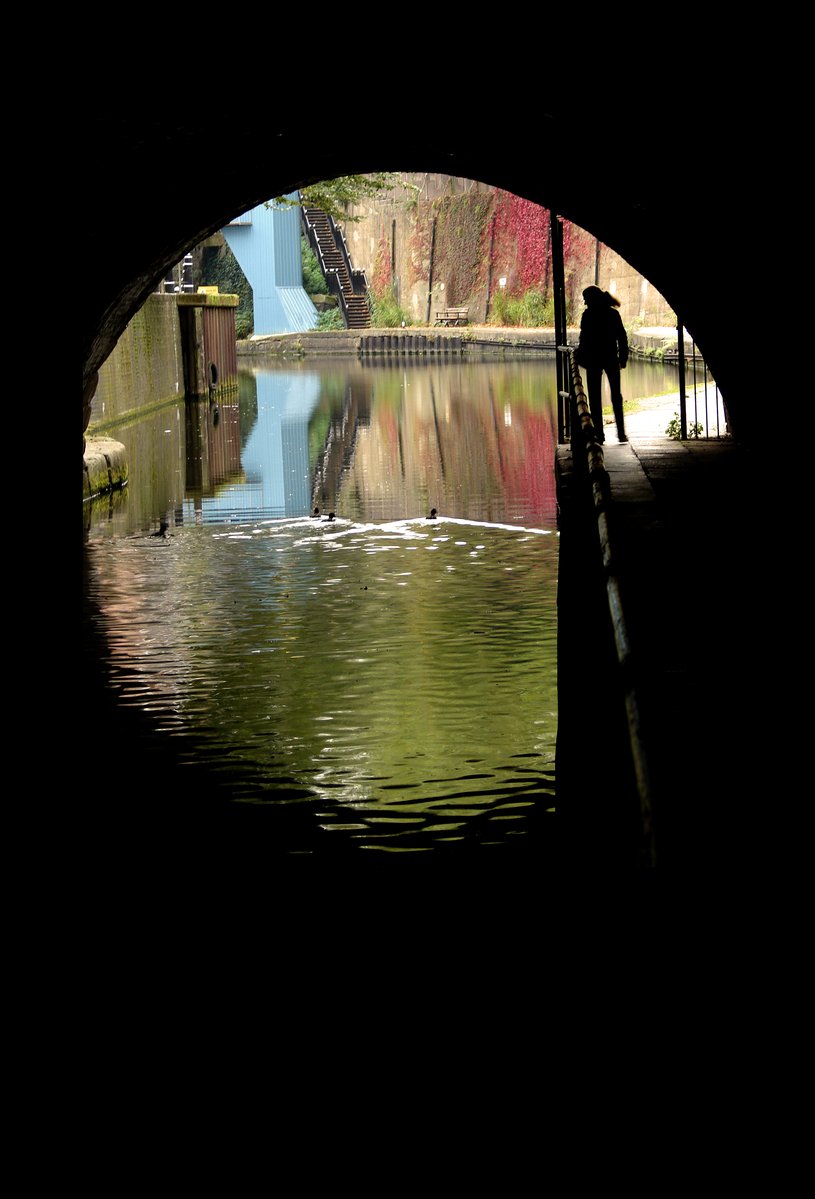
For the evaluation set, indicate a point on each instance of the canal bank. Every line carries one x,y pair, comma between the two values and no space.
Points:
479,340
105,464
417,341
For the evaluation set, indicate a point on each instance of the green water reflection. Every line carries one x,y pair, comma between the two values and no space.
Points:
390,677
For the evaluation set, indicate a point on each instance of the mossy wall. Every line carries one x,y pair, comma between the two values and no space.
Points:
145,369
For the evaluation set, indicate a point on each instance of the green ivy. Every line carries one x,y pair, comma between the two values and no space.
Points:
220,268
330,319
314,282
461,233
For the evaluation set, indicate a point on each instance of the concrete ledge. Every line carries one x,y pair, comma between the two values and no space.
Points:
647,342
414,338
272,343
104,466
206,299
661,341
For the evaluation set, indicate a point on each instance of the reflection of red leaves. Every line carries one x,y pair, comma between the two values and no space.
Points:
467,454
388,430
527,463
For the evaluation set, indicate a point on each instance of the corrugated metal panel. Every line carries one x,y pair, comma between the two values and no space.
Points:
219,343
288,255
297,307
244,219
269,254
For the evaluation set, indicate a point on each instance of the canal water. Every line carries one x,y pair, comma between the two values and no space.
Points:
331,598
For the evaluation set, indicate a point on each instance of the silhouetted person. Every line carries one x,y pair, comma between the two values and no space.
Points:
603,346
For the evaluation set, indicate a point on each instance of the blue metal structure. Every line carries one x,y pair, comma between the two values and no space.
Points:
266,243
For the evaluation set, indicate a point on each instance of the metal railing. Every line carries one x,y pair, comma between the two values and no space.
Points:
357,280
589,465
696,418
701,408
330,273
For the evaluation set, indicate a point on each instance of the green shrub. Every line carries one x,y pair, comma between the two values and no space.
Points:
330,319
674,429
386,313
529,311
314,283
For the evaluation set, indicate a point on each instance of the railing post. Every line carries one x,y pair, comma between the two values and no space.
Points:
683,414
559,296
430,272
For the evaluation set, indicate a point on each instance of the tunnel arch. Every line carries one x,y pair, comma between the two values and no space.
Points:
685,230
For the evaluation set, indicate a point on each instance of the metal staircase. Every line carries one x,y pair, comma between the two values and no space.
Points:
348,285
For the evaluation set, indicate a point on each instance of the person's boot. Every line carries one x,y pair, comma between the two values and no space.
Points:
618,420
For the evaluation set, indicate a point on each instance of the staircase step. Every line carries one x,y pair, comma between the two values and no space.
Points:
357,308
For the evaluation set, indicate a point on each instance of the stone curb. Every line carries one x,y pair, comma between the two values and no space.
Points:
104,466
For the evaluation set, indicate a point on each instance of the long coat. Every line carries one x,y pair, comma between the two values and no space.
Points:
603,340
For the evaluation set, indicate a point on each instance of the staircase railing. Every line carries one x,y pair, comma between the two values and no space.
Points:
329,272
357,279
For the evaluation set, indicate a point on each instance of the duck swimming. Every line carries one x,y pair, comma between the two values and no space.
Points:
316,512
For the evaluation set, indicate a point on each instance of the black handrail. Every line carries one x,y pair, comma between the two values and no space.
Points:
589,461
357,280
330,273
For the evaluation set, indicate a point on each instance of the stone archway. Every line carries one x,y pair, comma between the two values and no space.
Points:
155,199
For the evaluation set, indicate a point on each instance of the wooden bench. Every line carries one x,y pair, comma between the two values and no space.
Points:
452,316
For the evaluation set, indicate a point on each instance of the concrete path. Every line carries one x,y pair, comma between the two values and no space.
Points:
681,537
653,418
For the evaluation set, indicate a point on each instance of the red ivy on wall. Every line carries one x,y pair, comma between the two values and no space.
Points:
382,275
522,244
500,231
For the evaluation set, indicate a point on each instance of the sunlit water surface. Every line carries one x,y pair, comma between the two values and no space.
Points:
387,678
